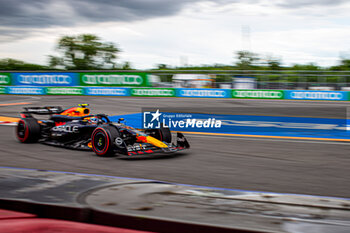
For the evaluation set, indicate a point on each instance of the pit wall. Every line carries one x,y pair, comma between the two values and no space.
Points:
176,92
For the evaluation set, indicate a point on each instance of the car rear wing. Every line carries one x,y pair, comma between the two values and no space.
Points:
47,110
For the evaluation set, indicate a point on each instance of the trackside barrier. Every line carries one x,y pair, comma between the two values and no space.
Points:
44,79
317,95
2,90
203,93
258,94
177,92
153,92
71,79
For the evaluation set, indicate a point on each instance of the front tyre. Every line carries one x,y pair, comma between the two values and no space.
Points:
163,134
28,130
102,139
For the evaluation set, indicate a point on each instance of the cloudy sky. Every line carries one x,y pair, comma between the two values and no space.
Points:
178,32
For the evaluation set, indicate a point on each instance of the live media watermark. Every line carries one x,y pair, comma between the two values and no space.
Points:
155,119
250,120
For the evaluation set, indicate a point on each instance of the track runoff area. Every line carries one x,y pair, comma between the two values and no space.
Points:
274,146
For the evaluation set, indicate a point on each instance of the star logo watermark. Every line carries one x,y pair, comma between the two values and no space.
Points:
151,120
156,115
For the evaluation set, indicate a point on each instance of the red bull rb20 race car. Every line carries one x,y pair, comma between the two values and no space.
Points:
76,128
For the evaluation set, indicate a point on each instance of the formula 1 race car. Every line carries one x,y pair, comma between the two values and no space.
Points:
76,128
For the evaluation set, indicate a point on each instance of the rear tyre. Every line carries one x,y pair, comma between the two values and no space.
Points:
162,134
28,130
102,140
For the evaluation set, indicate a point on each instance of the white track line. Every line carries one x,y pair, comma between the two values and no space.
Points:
26,98
8,123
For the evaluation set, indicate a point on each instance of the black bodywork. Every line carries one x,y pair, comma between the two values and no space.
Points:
77,133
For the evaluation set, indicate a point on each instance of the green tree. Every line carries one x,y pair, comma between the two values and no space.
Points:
310,66
345,63
84,52
126,66
12,64
343,66
246,59
273,63
162,67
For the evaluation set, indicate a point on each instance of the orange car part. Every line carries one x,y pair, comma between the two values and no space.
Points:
76,111
151,140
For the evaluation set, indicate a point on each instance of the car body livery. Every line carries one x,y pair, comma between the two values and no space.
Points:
76,128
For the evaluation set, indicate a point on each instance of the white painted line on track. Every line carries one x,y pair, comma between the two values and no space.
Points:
8,123
25,98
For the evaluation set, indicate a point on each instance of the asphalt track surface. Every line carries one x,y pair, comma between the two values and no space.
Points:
272,165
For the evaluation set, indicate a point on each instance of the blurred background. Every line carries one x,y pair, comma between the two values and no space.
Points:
276,165
273,45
